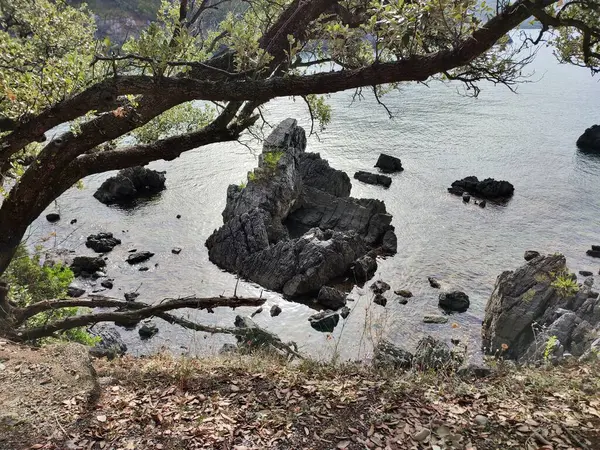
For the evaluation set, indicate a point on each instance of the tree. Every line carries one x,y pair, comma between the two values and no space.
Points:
53,72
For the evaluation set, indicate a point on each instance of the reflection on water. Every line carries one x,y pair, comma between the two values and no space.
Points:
528,139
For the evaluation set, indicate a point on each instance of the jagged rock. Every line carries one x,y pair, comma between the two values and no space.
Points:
380,300
531,254
487,189
379,287
131,296
52,217
275,310
389,164
526,313
433,283
364,268
331,298
75,291
130,184
102,242
454,301
590,139
403,293
387,354
108,284
435,319
111,344
87,265
324,321
147,330
139,257
432,354
294,227
344,312
373,178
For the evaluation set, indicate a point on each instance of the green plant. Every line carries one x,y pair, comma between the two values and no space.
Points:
272,158
564,285
252,177
30,282
528,296
242,185
550,345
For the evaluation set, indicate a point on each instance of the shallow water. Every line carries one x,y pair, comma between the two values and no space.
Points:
526,138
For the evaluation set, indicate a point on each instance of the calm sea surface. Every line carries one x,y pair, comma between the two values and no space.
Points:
526,138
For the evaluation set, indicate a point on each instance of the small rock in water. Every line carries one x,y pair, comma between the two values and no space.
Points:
139,257
176,251
585,273
131,296
74,221
482,204
258,311
433,283
455,341
345,312
102,242
53,217
144,269
389,164
147,330
373,178
275,310
324,321
403,293
466,197
531,254
331,298
435,319
380,300
179,216
454,301
402,300
108,284
133,250
379,287
98,274
74,291
594,252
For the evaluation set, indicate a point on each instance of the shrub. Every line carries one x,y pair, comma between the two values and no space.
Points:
564,285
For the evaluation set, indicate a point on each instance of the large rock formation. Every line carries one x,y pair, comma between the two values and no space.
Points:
489,188
130,184
538,312
293,227
590,139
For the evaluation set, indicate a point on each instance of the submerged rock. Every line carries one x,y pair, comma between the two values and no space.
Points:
590,139
454,301
139,257
373,178
102,242
403,293
87,265
293,227
531,317
487,189
130,184
325,321
389,164
331,298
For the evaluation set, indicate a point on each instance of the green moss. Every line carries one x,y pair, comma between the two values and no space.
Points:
271,159
528,296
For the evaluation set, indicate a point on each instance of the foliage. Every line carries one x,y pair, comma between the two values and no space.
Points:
528,296
550,345
271,159
565,285
30,282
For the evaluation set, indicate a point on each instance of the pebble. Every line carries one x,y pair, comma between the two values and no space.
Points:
481,420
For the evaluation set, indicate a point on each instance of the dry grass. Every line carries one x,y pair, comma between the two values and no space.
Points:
262,402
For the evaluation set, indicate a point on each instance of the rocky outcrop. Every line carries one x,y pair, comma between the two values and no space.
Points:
102,242
373,178
293,227
130,184
389,164
489,188
539,312
590,139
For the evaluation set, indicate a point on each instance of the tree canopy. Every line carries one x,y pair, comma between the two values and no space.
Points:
54,71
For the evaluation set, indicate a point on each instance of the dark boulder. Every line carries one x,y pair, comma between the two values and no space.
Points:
75,291
147,330
176,250
102,242
111,344
130,184
53,217
87,265
139,257
379,299
531,254
331,298
388,355
454,301
594,252
389,164
293,227
275,310
373,178
466,197
590,139
585,273
487,189
325,321
364,268
108,284
379,287
482,204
